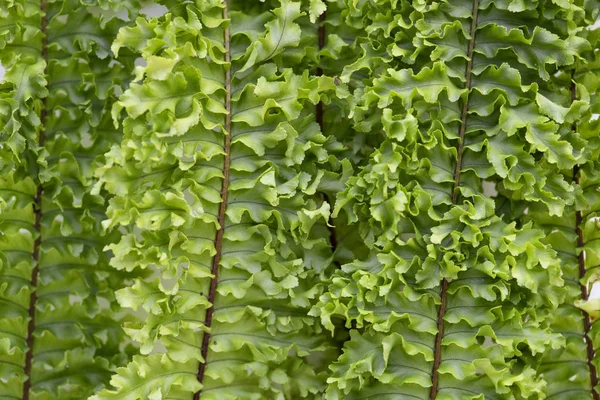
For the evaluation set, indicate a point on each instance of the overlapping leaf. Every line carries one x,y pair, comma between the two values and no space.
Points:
428,221
170,174
55,126
571,372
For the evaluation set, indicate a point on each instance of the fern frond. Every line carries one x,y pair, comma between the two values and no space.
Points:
216,180
60,334
571,372
451,296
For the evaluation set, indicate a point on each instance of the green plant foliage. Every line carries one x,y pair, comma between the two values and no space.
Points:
217,181
60,328
572,371
299,199
452,298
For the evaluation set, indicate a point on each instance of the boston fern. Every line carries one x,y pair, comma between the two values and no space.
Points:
60,324
288,199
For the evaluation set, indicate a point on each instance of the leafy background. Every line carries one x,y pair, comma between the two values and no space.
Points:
145,338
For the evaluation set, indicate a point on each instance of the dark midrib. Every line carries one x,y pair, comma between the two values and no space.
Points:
582,270
37,209
321,41
584,295
222,207
463,126
319,119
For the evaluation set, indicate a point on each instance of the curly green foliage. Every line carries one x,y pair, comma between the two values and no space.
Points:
331,44
452,299
572,371
589,180
217,181
342,43
218,254
56,287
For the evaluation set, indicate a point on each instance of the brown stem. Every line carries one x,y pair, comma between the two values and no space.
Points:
37,209
222,207
463,127
319,119
584,295
582,271
321,39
